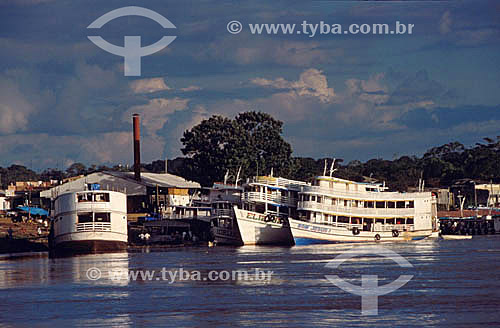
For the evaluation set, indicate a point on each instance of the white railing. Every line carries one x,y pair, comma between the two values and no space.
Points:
357,211
280,182
93,226
276,198
367,195
92,206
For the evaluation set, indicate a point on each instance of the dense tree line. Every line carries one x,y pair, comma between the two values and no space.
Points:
254,142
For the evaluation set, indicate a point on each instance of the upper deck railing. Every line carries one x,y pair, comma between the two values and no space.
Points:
275,198
364,195
279,182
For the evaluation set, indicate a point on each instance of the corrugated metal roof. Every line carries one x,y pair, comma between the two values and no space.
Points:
160,179
123,182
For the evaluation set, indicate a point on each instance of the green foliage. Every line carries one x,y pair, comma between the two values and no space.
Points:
16,173
252,140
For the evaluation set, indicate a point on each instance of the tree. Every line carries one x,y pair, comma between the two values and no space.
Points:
252,140
76,169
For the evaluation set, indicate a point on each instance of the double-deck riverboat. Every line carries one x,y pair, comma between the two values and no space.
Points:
338,210
89,221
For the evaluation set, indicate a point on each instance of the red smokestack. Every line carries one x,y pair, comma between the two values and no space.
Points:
137,147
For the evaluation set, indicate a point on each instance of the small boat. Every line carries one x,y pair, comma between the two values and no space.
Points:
224,228
91,221
456,237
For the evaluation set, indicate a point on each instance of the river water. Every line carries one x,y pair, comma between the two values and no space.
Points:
454,283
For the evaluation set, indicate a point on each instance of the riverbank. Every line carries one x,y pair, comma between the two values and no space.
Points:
25,237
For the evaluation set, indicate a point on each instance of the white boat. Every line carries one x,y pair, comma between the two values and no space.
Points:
456,237
268,203
89,221
338,210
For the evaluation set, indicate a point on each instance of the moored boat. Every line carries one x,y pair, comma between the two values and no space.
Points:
89,221
456,237
224,227
338,210
268,203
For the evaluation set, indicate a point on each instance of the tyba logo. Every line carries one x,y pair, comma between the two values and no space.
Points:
132,50
369,289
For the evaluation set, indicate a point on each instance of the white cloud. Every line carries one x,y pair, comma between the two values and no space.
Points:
248,50
191,88
14,108
311,83
148,85
155,113
445,23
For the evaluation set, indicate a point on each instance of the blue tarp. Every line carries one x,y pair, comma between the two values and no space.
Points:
33,210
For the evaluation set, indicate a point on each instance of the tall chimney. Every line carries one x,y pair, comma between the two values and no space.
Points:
137,147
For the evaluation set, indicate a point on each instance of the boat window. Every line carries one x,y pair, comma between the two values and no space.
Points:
367,224
334,201
391,204
355,203
400,221
318,199
84,197
334,218
343,219
411,204
380,204
369,204
381,221
400,204
409,221
102,197
102,217
313,198
85,217
355,220
346,203
389,221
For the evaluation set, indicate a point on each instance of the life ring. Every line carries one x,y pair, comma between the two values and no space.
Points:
395,233
377,237
355,231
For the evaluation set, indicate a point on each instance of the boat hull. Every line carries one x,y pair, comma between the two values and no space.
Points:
89,246
311,233
226,236
255,231
90,242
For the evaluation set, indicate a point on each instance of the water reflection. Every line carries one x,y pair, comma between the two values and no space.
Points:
463,287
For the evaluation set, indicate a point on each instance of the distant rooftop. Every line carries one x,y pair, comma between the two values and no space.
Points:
161,179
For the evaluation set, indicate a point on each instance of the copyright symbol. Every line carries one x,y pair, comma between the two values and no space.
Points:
94,274
234,27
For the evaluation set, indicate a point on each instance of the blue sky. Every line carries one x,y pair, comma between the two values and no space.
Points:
64,100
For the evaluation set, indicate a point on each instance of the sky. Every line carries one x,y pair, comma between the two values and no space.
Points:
352,96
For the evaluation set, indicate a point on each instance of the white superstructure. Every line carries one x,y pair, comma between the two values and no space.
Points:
268,203
336,210
94,220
